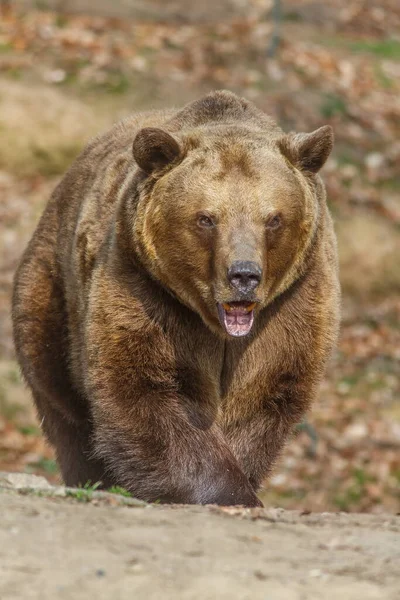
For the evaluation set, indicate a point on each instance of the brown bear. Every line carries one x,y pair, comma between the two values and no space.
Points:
175,309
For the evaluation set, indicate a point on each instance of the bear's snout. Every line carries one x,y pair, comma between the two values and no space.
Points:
244,275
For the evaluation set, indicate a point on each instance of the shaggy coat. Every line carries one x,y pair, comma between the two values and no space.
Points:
178,302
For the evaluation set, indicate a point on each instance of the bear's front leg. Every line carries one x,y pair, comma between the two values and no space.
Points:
258,443
258,435
164,458
156,442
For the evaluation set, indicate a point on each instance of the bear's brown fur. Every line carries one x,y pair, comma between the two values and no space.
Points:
134,302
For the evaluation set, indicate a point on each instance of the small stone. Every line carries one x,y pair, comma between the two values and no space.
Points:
315,573
55,76
356,431
343,388
139,64
374,160
137,568
260,575
349,172
59,491
278,480
23,481
274,70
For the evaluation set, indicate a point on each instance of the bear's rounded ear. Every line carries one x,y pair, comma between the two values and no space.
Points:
308,151
154,148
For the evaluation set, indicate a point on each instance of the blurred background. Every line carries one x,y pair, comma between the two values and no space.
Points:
70,68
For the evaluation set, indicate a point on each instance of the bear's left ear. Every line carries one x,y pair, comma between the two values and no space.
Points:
308,151
153,149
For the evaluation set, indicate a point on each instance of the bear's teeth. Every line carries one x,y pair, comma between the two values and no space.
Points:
238,307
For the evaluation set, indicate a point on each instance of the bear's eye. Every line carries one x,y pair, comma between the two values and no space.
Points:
205,221
274,223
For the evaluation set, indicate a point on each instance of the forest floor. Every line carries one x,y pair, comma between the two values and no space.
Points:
63,79
76,544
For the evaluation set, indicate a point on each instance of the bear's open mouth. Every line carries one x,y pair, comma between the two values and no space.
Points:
236,317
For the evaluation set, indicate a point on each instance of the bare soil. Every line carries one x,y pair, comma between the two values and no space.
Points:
69,544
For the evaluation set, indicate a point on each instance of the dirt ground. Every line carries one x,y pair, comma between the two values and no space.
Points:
54,545
72,548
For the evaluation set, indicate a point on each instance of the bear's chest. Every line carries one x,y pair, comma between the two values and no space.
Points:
214,371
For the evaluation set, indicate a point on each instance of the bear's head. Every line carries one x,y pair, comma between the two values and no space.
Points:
228,212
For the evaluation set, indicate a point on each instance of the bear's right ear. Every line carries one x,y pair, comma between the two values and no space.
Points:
153,149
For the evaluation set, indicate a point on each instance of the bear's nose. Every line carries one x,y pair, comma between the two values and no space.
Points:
244,275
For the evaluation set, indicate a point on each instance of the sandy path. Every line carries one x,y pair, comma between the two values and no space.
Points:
59,547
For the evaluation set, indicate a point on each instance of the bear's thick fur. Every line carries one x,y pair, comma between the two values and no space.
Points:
175,309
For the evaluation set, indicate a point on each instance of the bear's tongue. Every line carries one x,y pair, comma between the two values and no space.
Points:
237,317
